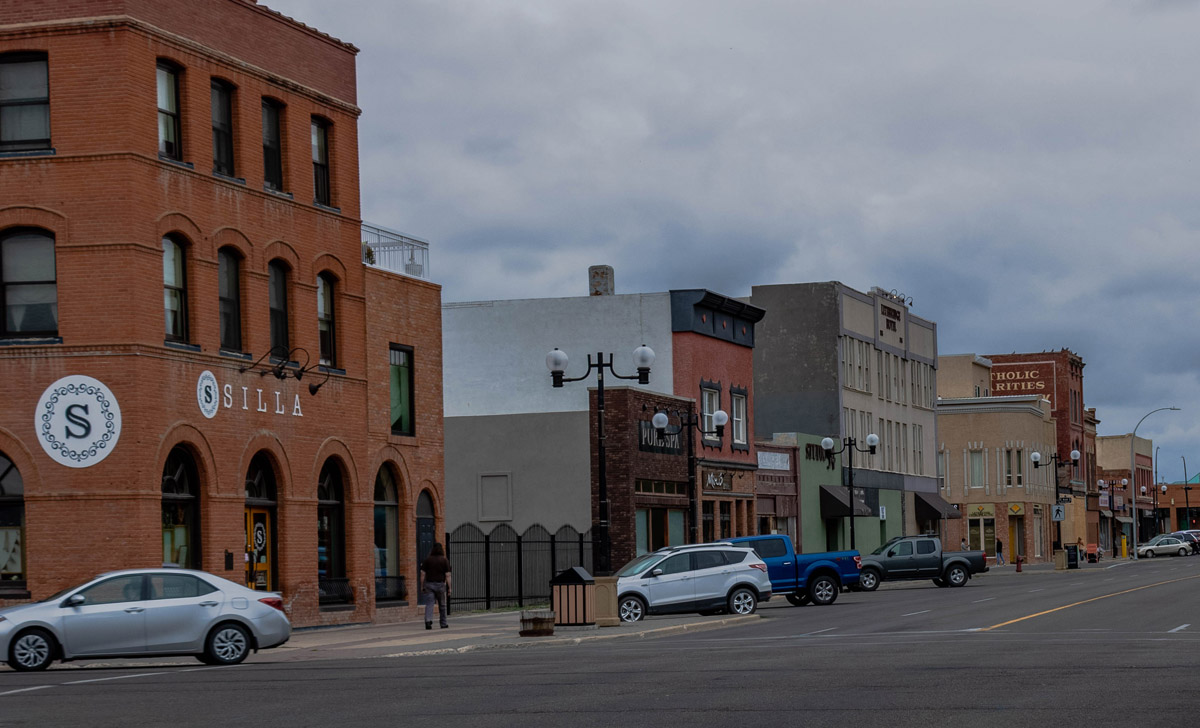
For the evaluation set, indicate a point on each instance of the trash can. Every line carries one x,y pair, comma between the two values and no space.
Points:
537,623
573,598
1072,556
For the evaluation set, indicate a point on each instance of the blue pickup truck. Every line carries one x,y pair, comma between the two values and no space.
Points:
804,578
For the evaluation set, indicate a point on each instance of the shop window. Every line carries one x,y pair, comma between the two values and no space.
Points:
175,293
12,527
278,304
726,520
222,128
272,143
181,510
229,292
401,381
320,157
28,284
389,581
24,102
170,143
325,320
331,536
707,522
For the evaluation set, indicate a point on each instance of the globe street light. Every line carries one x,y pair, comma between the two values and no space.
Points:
849,445
556,362
1133,470
1155,496
1036,457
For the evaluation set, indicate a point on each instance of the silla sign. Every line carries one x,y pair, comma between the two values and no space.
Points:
212,397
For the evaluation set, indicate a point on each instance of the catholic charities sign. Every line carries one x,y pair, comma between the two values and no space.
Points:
78,421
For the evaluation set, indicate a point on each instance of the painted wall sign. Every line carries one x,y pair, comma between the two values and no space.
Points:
211,396
78,421
1024,378
650,441
1016,509
774,460
718,480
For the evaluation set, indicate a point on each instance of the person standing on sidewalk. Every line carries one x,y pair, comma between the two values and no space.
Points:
435,584
999,554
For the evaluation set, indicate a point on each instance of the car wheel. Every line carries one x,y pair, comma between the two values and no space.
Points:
1150,553
742,601
868,580
31,650
632,609
1183,552
822,591
228,644
956,575
798,600
941,582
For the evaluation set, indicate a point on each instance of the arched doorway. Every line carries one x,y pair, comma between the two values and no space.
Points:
331,535
388,577
260,523
181,509
12,526
425,527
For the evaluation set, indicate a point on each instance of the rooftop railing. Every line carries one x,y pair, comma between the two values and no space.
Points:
395,252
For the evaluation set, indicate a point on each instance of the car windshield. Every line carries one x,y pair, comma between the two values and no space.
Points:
884,547
639,564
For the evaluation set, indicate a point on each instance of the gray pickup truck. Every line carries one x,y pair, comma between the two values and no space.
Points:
919,557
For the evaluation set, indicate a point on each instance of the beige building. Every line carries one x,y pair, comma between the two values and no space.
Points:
985,466
1117,495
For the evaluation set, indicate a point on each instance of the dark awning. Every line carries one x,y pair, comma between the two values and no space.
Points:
835,503
935,507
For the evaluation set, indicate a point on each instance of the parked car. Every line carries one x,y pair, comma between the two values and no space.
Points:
704,578
919,557
1190,538
803,578
141,613
1163,546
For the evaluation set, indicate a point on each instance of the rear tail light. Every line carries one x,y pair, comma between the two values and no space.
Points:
273,602
858,562
760,567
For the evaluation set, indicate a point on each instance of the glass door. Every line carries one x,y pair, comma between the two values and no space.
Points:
259,551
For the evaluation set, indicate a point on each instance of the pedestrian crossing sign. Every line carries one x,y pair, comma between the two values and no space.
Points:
1059,512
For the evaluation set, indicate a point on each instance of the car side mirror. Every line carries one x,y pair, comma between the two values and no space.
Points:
656,572
892,552
75,600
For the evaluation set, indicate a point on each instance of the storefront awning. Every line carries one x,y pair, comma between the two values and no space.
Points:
1125,519
835,503
1106,513
932,507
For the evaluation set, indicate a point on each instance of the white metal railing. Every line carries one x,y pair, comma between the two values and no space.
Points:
395,252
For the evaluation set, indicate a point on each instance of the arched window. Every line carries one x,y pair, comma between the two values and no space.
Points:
325,320
331,536
229,293
260,523
24,102
425,526
181,509
12,526
389,582
278,303
28,288
175,290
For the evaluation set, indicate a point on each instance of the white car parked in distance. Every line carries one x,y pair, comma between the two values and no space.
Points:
704,578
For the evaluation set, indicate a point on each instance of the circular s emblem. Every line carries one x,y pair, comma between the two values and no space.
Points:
78,421
260,536
208,394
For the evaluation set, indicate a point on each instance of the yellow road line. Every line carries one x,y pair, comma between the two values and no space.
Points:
1085,601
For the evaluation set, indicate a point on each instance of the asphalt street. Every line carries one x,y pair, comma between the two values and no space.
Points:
1104,646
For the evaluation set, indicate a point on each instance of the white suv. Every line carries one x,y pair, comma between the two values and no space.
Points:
704,578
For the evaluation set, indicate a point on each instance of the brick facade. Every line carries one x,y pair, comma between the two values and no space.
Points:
108,199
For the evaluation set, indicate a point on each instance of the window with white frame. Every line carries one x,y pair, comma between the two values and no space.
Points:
738,417
710,402
976,473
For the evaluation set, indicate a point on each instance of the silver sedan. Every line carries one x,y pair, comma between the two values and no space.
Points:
1163,546
141,613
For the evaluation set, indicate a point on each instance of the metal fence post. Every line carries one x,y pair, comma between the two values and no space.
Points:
553,557
520,576
487,571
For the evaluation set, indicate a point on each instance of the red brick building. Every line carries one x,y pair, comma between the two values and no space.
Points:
196,366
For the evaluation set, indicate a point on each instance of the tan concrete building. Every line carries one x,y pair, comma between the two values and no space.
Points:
1113,467
985,464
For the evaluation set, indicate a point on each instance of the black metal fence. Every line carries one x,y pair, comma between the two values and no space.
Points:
504,569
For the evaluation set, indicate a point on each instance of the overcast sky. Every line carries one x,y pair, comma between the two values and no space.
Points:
1026,172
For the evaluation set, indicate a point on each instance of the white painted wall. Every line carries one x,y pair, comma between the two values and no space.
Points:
494,352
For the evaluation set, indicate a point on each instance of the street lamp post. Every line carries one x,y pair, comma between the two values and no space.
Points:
1036,457
556,362
1155,497
1133,471
1112,486
689,420
849,445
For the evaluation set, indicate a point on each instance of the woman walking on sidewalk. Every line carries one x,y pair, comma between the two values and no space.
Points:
435,584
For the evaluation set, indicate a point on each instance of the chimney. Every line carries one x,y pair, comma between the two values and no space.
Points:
600,280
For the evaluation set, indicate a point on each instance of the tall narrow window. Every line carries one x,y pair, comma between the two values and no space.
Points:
28,290
977,472
174,290
400,361
325,321
12,526
24,102
222,128
737,417
229,292
331,537
710,402
278,302
320,156
169,137
272,146
181,510
389,581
